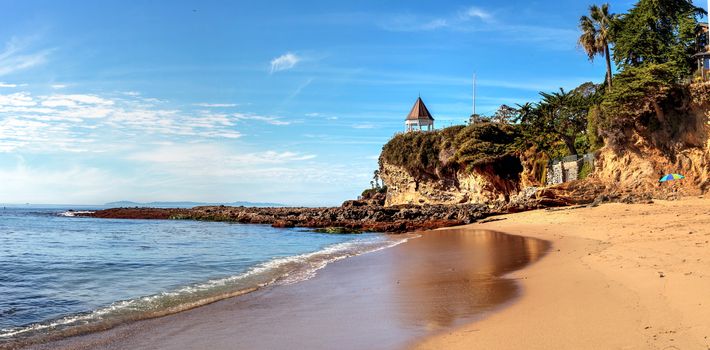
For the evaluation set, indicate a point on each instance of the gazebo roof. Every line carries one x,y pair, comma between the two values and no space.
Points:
419,111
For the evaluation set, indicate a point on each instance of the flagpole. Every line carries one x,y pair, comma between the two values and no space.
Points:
474,93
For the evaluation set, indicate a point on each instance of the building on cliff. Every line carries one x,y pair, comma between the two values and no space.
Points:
569,168
419,119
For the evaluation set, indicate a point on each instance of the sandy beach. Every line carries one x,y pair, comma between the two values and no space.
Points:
618,277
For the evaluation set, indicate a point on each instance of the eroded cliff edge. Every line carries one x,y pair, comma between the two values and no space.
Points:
486,163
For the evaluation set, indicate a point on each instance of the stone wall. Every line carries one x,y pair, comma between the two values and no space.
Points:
567,169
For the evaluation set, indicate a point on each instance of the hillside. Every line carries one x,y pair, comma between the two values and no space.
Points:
492,163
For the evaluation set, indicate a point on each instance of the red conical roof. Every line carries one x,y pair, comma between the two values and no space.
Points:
419,111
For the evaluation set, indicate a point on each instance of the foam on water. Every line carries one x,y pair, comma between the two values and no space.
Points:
73,213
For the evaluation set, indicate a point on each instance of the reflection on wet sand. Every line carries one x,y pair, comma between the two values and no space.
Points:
456,274
382,300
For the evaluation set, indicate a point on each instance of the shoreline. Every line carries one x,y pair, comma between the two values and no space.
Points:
395,296
632,276
269,274
614,276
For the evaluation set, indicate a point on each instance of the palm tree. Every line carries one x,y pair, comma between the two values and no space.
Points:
524,112
596,34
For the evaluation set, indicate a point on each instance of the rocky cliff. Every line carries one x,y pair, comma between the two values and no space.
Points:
674,137
478,186
457,165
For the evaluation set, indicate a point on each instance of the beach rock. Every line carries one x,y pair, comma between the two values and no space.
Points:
352,216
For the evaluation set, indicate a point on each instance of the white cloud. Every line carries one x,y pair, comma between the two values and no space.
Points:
216,105
201,155
76,123
18,99
58,86
265,119
475,12
15,57
6,85
73,100
363,126
284,62
478,20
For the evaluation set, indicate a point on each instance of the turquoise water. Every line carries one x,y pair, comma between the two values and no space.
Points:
59,272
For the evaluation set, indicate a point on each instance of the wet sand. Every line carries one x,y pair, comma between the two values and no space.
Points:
382,300
618,276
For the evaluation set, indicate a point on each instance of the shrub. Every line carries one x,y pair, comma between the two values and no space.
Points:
428,155
585,170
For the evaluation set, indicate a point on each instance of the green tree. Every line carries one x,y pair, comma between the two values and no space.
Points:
656,32
636,101
596,35
560,118
504,115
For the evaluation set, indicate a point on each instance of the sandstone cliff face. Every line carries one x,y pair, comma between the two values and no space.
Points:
683,147
480,186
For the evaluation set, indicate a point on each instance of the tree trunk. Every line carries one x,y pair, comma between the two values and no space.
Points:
569,142
608,65
660,115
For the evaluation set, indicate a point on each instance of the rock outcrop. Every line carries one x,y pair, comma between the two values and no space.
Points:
352,216
480,186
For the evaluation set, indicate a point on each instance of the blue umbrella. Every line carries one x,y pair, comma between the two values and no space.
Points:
671,177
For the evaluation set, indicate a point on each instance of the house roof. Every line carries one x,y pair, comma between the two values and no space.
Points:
419,111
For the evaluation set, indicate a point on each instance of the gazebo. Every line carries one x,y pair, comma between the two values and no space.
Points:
419,119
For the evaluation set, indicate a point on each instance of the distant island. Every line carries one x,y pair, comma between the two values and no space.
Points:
189,204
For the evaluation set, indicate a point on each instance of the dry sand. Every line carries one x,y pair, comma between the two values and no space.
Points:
618,277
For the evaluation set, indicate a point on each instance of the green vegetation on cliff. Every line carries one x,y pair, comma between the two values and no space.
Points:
430,155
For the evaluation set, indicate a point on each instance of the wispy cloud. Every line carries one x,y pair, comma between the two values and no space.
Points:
6,85
455,21
284,62
476,12
261,118
299,89
204,154
99,123
17,56
383,78
58,86
74,100
364,126
477,19
216,105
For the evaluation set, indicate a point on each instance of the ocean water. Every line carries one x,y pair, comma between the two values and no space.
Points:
61,274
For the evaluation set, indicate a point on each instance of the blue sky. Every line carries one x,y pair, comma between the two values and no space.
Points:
264,101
